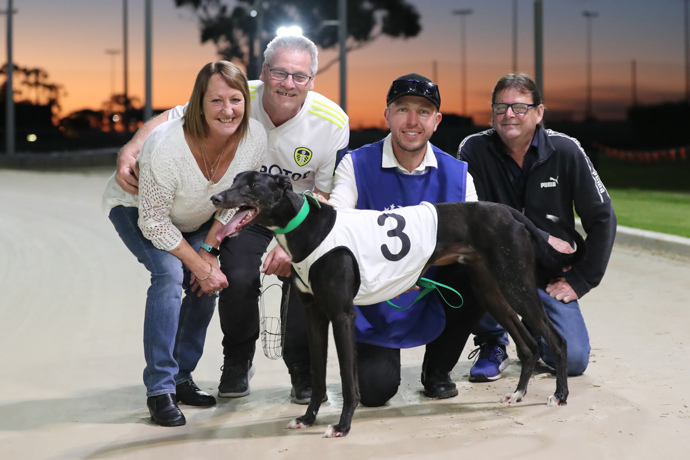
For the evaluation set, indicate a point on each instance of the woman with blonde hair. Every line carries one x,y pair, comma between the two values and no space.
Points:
170,227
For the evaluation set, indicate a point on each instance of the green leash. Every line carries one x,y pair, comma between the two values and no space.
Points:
428,286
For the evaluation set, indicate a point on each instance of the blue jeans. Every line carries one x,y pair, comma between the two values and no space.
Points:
174,327
567,319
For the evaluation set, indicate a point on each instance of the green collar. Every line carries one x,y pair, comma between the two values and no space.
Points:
295,221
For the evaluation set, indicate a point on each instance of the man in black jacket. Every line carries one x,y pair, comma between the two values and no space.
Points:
540,172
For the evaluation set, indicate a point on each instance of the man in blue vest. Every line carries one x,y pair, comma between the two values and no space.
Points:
404,169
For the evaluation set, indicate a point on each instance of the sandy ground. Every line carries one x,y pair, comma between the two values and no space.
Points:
71,314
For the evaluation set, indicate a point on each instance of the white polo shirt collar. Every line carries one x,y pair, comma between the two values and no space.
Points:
388,159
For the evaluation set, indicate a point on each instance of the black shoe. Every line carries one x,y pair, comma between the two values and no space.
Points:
234,382
438,385
190,394
164,410
301,387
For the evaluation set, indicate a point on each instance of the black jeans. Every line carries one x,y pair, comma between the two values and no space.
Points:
443,354
238,304
378,370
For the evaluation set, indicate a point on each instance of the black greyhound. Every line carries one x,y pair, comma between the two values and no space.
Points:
500,246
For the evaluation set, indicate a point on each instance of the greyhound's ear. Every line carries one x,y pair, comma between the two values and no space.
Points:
283,182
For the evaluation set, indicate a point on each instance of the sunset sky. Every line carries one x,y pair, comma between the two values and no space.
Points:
69,39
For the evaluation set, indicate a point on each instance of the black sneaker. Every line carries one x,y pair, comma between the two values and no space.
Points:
234,382
438,385
301,387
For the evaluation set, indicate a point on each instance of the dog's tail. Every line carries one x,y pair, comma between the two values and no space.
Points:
550,261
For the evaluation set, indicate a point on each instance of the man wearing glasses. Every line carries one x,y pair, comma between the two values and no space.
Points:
405,169
540,172
306,133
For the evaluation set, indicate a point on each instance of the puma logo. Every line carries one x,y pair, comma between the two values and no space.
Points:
553,182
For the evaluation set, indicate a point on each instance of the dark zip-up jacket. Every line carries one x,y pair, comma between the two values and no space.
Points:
561,178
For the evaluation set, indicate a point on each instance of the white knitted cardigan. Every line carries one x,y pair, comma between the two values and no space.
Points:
174,196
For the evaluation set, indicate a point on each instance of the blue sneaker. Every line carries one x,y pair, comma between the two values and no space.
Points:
491,361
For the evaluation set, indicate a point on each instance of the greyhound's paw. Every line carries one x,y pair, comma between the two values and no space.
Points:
555,401
513,397
296,424
331,432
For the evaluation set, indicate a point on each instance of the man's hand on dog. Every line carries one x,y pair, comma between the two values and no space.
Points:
561,245
127,175
560,290
277,263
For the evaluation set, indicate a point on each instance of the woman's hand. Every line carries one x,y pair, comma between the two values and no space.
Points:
213,281
206,275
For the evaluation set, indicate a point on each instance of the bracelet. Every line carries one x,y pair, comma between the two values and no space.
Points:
209,274
210,249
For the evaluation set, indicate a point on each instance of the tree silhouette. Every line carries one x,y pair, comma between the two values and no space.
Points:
34,82
236,31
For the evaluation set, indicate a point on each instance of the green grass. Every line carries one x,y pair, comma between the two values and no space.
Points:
672,176
650,196
665,212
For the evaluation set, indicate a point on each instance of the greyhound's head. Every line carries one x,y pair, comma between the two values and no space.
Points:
260,198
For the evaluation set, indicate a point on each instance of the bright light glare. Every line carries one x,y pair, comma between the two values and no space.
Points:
253,13
31,137
291,30
116,118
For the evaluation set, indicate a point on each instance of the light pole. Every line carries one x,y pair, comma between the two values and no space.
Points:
9,89
125,118
589,15
258,14
633,71
148,19
539,46
515,36
112,53
342,50
463,57
687,54
341,23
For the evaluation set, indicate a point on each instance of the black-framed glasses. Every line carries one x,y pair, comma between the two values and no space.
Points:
425,89
519,108
281,75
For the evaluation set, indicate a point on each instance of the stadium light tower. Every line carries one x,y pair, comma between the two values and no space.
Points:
463,57
289,30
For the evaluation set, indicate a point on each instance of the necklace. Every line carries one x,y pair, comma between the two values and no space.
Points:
212,172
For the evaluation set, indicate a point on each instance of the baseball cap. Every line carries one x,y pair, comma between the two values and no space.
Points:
414,84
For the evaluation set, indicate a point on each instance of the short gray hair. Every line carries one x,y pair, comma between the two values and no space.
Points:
297,43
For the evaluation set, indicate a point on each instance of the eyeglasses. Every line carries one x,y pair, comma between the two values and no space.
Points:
519,108
425,89
281,75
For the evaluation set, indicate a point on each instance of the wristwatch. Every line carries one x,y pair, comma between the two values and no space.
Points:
210,249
